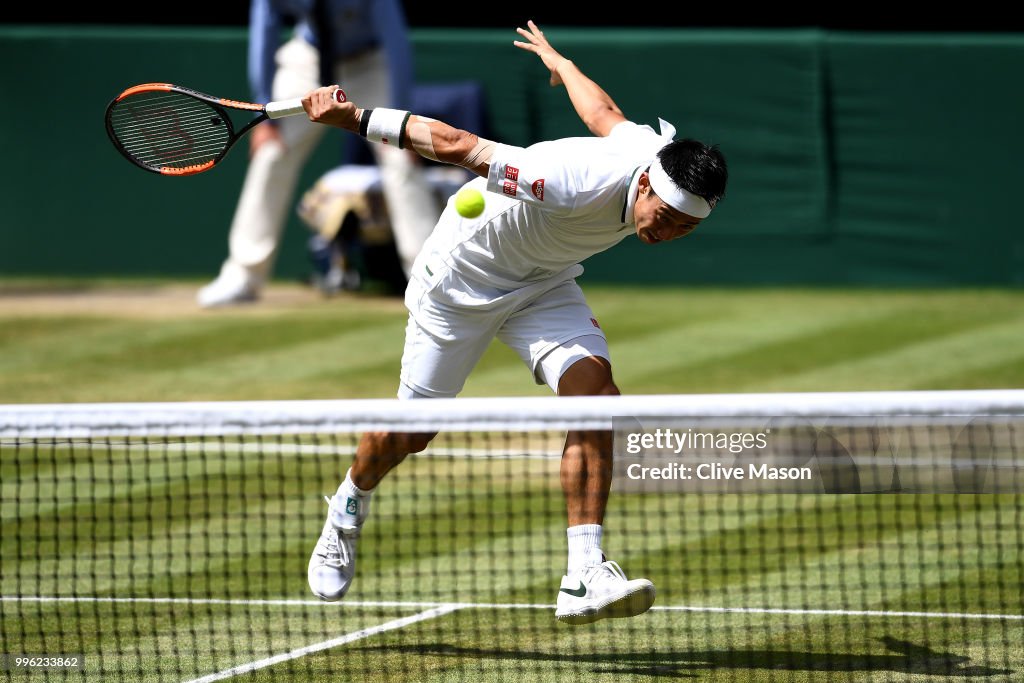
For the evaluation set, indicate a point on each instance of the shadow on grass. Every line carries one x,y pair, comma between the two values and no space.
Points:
903,657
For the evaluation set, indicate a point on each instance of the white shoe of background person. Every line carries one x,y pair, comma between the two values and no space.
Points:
333,563
602,591
230,288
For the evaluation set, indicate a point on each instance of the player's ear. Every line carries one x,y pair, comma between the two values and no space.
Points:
645,183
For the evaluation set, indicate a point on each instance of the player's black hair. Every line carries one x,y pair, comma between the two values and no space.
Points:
696,167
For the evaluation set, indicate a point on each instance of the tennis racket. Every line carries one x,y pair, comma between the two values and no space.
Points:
172,130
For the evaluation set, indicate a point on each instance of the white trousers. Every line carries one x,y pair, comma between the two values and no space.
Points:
273,172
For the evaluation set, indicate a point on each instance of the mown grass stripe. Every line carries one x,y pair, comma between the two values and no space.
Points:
912,367
688,327
689,349
847,342
264,371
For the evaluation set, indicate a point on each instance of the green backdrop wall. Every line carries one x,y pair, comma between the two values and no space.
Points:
853,158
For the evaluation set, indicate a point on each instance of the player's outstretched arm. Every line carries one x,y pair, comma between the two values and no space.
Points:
429,138
594,106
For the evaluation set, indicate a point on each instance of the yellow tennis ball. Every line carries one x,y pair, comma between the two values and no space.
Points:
469,203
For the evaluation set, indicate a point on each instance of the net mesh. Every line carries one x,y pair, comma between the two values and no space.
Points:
169,542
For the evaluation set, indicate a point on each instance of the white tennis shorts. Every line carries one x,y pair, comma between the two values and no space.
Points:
549,327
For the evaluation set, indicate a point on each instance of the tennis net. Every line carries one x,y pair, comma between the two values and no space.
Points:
790,537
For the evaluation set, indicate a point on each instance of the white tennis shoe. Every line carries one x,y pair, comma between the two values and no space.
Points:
333,563
602,591
229,289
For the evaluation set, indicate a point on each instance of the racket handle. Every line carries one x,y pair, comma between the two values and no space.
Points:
276,110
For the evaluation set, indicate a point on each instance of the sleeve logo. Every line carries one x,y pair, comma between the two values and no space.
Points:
538,189
593,321
510,188
512,173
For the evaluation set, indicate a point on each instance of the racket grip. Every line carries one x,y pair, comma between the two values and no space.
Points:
276,110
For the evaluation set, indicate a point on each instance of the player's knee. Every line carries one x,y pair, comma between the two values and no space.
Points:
392,447
591,376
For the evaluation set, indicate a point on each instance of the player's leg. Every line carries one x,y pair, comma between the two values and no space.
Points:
269,186
586,477
574,361
413,206
433,366
332,565
586,472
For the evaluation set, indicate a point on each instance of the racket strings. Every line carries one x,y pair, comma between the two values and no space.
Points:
168,129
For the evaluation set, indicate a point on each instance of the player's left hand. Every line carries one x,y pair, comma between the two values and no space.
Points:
539,45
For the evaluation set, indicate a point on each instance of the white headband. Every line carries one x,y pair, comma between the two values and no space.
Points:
675,196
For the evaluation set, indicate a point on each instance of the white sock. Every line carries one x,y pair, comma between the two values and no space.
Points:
584,546
351,504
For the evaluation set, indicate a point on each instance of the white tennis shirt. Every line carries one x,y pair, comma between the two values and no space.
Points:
547,208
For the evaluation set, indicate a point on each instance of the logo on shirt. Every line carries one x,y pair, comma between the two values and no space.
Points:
510,188
511,173
593,321
538,189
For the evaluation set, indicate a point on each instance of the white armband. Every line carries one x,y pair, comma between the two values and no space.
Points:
386,126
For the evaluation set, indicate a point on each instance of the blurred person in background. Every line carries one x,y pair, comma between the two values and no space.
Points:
363,44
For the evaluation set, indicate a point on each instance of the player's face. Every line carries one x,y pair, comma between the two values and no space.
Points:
656,221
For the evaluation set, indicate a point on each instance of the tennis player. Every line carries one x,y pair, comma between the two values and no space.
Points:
511,273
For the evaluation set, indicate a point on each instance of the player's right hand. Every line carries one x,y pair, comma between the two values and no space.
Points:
322,107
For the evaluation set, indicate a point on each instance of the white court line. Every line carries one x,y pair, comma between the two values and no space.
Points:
842,612
273,602
489,605
325,645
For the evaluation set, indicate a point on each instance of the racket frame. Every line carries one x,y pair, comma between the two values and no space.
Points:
221,105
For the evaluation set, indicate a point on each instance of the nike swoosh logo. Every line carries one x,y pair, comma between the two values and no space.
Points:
577,593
